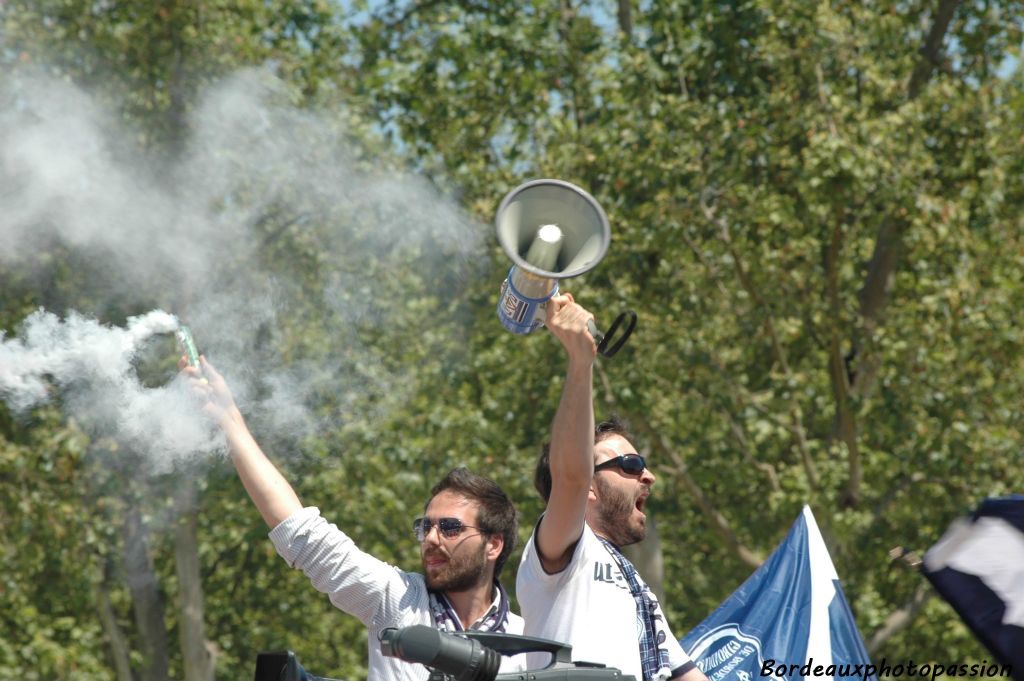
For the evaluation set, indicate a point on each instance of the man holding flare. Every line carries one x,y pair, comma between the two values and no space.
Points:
467,531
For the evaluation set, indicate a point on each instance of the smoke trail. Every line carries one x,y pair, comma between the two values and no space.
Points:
200,233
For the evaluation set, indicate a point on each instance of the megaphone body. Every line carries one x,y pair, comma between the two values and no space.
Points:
519,312
552,230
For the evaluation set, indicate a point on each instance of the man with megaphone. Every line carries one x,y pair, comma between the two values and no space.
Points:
574,585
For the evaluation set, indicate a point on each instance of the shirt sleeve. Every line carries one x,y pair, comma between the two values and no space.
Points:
678,659
532,570
356,582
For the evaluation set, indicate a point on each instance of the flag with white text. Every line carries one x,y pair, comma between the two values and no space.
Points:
789,620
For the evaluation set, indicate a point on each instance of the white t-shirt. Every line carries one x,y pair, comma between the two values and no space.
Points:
589,606
380,595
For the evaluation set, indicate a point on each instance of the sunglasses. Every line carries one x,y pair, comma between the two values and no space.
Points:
630,463
449,528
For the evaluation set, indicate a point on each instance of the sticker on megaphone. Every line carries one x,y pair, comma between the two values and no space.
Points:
521,313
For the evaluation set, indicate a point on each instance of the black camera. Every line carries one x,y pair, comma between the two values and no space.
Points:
462,656
282,665
476,655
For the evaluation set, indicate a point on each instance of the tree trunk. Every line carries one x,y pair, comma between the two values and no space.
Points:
146,600
625,19
120,650
199,662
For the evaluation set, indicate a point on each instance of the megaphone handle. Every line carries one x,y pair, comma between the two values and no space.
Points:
602,339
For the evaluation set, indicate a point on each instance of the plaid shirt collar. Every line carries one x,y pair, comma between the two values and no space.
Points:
495,619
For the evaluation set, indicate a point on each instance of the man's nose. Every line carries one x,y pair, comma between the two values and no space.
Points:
648,477
432,536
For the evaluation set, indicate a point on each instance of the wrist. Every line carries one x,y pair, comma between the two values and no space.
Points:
580,366
232,422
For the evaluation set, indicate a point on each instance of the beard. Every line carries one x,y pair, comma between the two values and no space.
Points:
463,571
615,515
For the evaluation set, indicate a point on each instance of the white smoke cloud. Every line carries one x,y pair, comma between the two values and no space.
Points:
63,350
92,368
189,233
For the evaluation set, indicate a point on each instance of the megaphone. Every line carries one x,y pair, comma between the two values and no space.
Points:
552,230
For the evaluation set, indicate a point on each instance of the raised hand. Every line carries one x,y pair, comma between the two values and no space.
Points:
211,391
568,321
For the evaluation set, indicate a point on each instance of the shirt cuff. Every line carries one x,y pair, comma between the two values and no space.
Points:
682,669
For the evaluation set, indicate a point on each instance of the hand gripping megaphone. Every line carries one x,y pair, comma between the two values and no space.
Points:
551,229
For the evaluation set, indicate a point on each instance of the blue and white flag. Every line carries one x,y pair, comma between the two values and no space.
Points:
978,566
789,620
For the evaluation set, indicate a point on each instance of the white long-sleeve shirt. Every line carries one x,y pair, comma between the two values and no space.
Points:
379,594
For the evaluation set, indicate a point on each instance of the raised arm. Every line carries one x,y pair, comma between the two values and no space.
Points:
273,496
572,437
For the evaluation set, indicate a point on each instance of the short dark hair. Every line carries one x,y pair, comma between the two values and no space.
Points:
496,515
614,425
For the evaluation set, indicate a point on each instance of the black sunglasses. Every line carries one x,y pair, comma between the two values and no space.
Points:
630,463
448,527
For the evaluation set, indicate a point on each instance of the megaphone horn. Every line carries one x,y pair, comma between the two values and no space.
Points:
551,229
539,211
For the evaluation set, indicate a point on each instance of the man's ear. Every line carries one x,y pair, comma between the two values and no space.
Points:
495,545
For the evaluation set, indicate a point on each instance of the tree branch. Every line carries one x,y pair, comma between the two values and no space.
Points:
741,393
845,423
795,413
625,19
888,241
665,448
931,51
741,438
414,8
718,521
873,297
566,19
819,75
900,619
